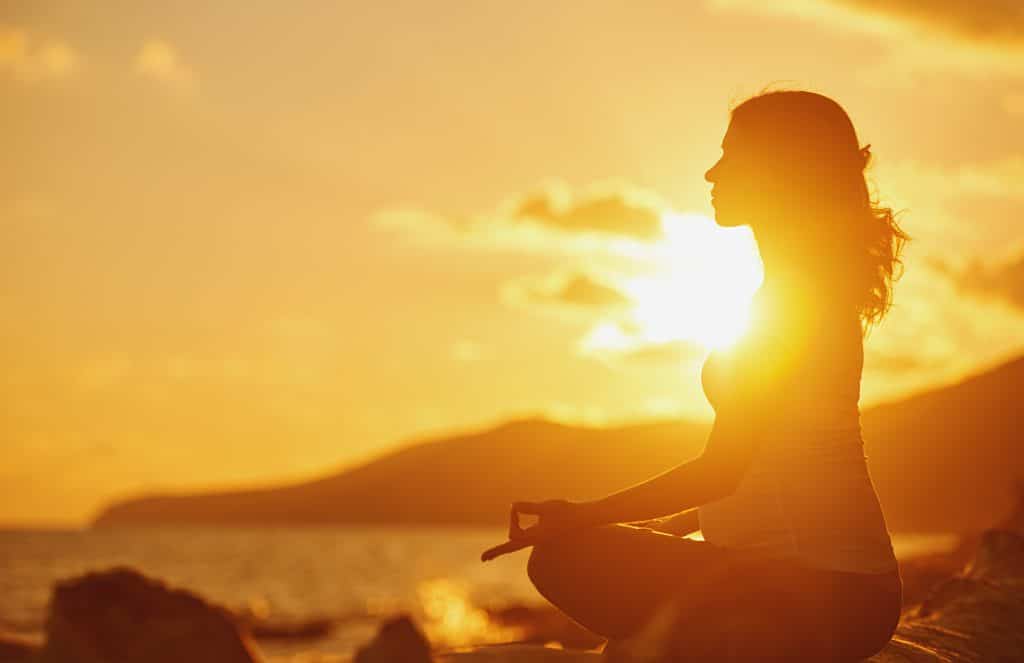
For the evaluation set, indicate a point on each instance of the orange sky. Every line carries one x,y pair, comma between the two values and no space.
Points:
242,244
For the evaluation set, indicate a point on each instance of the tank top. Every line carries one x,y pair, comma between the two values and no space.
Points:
807,495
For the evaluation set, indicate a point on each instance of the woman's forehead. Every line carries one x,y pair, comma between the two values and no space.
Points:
745,136
733,136
738,133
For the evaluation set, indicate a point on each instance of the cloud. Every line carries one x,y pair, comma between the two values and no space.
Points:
32,59
578,291
607,217
934,334
982,21
623,342
892,362
159,60
1003,279
958,305
665,352
611,213
978,39
950,211
581,290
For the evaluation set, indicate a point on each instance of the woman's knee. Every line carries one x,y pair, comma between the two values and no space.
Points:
544,562
557,557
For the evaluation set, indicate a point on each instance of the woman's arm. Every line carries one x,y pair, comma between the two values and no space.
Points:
681,524
709,477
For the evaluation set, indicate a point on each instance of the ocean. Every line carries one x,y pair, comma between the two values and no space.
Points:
353,574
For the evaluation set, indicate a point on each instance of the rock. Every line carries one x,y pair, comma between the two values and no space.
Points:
398,640
16,648
122,616
518,653
975,616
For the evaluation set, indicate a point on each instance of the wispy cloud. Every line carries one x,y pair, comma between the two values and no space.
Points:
577,290
30,58
159,60
957,306
665,352
951,211
555,219
981,21
883,361
620,343
979,39
1003,279
608,213
939,328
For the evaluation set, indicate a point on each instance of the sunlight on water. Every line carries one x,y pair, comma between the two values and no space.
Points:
453,620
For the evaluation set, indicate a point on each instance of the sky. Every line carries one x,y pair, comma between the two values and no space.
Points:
243,243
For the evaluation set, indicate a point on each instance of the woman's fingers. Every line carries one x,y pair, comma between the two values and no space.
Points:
514,530
551,513
507,547
526,537
533,508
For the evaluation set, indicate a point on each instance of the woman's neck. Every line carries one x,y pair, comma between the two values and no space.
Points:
791,264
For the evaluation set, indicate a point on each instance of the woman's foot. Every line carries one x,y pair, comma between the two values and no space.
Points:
611,651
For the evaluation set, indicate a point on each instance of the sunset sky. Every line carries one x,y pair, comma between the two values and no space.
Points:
244,243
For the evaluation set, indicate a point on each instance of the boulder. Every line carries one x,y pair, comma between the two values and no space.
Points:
518,653
16,648
398,639
975,616
122,616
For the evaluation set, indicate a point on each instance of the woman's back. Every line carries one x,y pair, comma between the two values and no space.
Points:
807,495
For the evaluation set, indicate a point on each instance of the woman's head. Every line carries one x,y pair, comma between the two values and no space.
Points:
792,169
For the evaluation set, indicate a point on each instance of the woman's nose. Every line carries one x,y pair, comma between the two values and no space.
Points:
710,174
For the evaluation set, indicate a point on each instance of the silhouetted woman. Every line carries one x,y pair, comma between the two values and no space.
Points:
796,562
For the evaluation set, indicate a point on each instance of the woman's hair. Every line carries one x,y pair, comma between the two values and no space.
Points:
811,150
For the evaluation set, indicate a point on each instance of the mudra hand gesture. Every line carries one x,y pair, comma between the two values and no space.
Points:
556,516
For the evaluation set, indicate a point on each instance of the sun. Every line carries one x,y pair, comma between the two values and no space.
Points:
701,289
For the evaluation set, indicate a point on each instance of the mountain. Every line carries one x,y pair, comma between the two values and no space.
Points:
950,458
942,460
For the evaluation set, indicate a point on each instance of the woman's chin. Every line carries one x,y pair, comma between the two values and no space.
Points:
726,220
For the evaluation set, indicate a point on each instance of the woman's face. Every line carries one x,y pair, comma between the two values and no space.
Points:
745,187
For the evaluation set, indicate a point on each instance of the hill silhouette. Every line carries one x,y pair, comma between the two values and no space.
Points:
942,460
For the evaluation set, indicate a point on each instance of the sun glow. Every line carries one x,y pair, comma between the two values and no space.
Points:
701,291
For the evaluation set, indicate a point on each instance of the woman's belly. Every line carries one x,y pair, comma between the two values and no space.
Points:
814,505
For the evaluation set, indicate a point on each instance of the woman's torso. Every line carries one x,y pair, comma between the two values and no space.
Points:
807,495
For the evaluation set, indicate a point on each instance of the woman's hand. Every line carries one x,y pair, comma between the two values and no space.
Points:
556,516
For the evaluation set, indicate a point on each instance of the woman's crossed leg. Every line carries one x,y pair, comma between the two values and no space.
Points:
676,596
